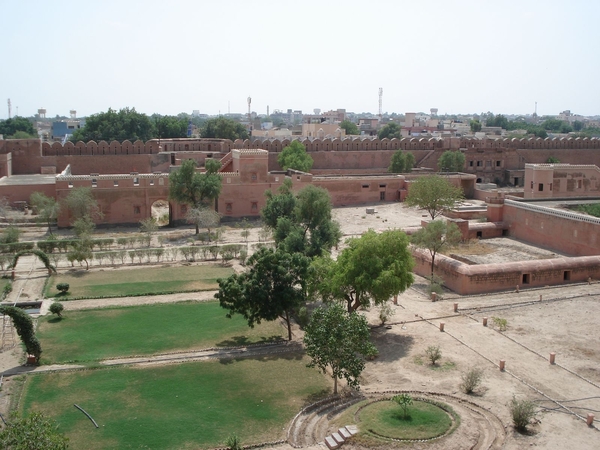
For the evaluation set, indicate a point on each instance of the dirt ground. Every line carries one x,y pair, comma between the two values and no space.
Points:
563,320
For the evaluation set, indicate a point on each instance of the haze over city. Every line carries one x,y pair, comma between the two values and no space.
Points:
179,56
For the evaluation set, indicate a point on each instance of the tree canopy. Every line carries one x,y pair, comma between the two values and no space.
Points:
195,189
434,194
166,127
81,203
111,125
436,236
34,432
46,207
497,121
25,329
10,127
372,268
451,161
294,156
223,128
301,223
390,131
350,127
475,125
339,340
271,288
401,162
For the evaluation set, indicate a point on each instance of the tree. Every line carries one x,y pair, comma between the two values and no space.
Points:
294,156
522,411
475,125
126,124
301,223
404,401
552,160
81,250
223,128
436,236
14,125
350,127
401,162
149,226
47,208
167,127
203,217
372,268
390,131
195,189
498,121
578,125
24,326
34,432
271,288
57,308
434,194
451,161
81,203
340,341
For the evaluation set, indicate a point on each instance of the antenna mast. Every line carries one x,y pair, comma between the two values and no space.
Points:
380,102
9,108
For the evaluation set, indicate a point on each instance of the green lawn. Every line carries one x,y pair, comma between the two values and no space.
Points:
90,335
192,405
120,283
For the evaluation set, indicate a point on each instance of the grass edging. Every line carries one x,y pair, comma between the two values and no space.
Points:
150,294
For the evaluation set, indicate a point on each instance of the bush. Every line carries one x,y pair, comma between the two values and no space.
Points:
522,411
434,354
62,287
471,379
11,235
500,323
57,308
243,256
7,289
385,312
303,317
233,442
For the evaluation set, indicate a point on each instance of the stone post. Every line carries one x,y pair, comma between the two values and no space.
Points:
485,321
442,326
552,357
12,275
502,363
433,296
455,307
517,288
590,419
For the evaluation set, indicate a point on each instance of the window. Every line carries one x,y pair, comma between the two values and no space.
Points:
228,180
136,181
478,163
116,183
70,184
253,176
94,182
567,275
365,186
137,210
541,187
532,185
254,207
470,163
382,186
498,163
228,207
479,234
579,184
382,195
526,278
161,181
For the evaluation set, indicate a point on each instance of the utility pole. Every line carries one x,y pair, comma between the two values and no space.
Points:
9,108
380,103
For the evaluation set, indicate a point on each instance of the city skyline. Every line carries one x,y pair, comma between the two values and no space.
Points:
480,57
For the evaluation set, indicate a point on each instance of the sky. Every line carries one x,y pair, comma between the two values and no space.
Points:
177,56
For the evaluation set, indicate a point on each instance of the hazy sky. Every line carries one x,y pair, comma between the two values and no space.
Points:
210,55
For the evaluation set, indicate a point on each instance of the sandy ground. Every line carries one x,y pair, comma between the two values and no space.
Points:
564,321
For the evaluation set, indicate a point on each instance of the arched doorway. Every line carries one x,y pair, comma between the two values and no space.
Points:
161,211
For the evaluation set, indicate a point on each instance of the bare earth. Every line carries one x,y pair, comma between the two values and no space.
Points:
564,322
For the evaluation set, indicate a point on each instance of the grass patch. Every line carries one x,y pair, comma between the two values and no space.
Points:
192,405
144,330
424,420
593,209
122,283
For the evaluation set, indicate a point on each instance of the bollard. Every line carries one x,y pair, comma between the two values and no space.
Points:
485,321
590,419
13,275
540,297
442,326
433,296
395,299
517,288
552,357
455,307
589,280
502,363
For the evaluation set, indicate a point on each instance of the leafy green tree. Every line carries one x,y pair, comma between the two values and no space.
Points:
401,162
475,125
10,127
451,161
302,223
435,237
434,194
553,125
168,127
57,308
195,189
81,250
404,400
371,269
223,128
339,340
34,432
25,329
497,121
203,217
84,227
271,288
578,125
294,156
47,207
126,124
390,131
149,226
350,127
81,202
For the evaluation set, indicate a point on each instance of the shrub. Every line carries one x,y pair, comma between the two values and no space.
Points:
57,308
500,323
471,379
404,400
10,235
434,354
385,312
233,442
435,285
7,289
522,411
62,287
303,317
243,256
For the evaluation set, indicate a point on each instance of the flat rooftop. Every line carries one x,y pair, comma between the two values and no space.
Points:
20,180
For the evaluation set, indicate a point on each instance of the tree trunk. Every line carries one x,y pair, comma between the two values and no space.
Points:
287,320
334,385
432,265
197,229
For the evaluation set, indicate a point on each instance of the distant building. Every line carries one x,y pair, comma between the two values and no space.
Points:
62,128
